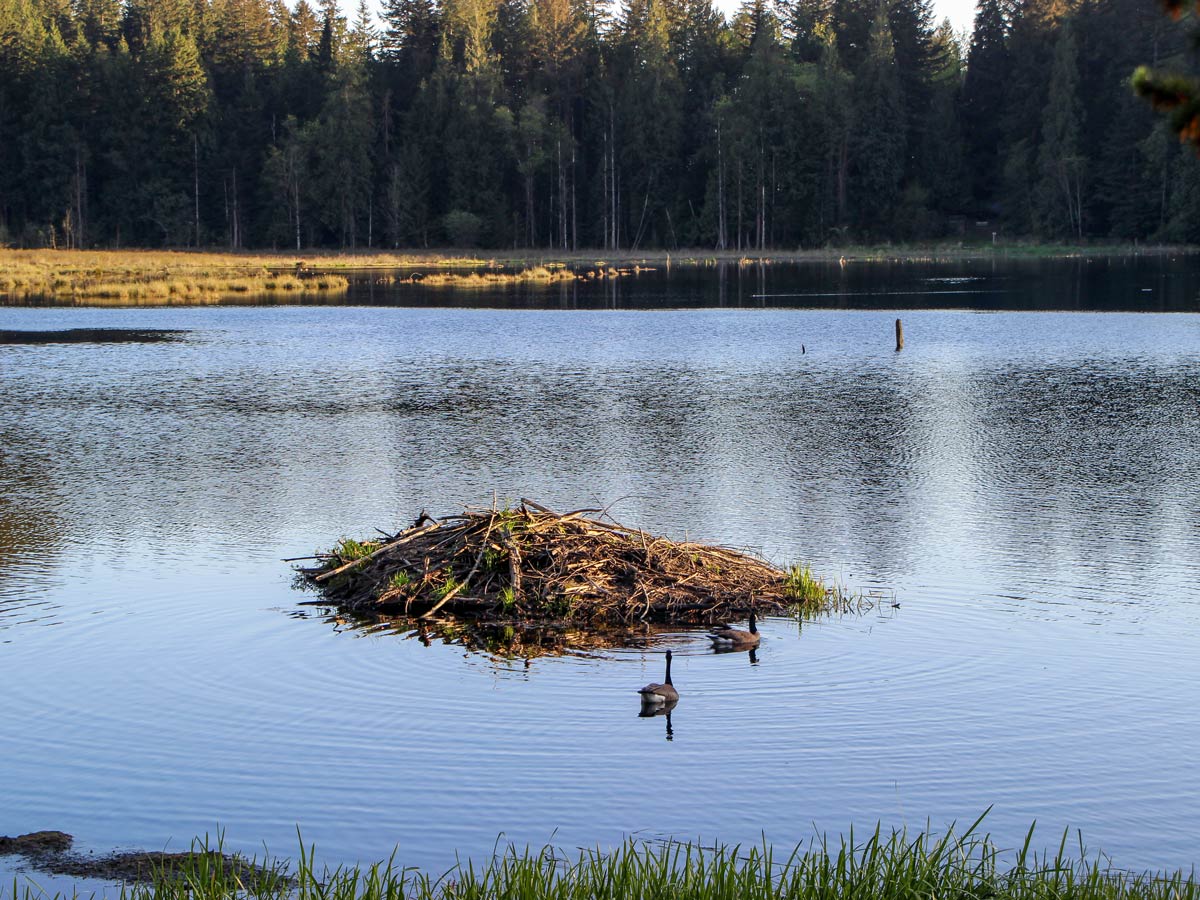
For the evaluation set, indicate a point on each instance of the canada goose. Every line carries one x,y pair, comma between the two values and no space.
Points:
660,693
735,637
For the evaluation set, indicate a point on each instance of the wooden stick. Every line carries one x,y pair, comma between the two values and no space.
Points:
466,581
325,576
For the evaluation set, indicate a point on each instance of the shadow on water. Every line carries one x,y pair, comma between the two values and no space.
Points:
508,640
91,336
1099,283
503,640
1151,283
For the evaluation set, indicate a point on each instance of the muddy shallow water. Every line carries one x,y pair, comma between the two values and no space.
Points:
1026,483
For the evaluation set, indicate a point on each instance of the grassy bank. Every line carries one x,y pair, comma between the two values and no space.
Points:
157,278
895,866
135,277
152,278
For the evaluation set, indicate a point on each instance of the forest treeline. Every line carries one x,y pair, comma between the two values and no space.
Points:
582,123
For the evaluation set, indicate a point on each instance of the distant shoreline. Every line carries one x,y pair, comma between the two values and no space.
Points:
465,257
177,277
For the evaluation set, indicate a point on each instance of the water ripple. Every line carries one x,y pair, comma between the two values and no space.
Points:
1024,485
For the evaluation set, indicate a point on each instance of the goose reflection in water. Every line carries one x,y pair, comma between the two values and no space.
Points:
649,711
753,654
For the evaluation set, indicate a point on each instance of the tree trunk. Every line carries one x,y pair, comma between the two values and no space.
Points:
562,198
235,235
196,184
721,237
616,185
296,185
80,196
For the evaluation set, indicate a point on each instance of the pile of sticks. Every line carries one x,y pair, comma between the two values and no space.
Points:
531,563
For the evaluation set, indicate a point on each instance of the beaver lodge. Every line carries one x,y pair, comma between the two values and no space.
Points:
531,565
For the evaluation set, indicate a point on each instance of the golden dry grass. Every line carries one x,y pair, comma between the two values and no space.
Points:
152,278
492,278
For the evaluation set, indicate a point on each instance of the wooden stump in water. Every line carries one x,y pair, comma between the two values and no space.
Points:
899,336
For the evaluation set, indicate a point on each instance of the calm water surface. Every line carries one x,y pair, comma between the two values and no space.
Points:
1026,483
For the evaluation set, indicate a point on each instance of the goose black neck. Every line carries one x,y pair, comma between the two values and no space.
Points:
668,678
753,627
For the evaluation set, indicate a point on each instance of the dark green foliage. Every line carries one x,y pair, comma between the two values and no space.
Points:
572,123
1062,166
1174,88
880,133
984,96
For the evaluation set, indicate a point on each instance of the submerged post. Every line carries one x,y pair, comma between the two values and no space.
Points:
899,336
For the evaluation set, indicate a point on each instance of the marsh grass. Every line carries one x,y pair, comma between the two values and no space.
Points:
350,549
803,586
492,278
896,865
105,278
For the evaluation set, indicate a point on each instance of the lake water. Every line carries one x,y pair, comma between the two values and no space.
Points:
1026,484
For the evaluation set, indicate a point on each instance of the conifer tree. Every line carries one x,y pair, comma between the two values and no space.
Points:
835,112
286,173
984,95
878,161
944,164
648,100
1061,164
341,142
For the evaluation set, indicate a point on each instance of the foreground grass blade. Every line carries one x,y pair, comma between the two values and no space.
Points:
887,866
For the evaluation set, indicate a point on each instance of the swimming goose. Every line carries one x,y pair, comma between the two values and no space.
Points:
735,637
660,693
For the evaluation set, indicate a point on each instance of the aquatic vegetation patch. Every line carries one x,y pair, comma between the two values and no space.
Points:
550,273
803,586
534,564
491,278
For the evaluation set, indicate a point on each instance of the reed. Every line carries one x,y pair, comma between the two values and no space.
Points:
803,586
896,865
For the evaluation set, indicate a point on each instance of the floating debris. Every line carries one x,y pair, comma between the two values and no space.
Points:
531,564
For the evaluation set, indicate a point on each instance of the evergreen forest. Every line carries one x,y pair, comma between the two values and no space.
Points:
567,124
